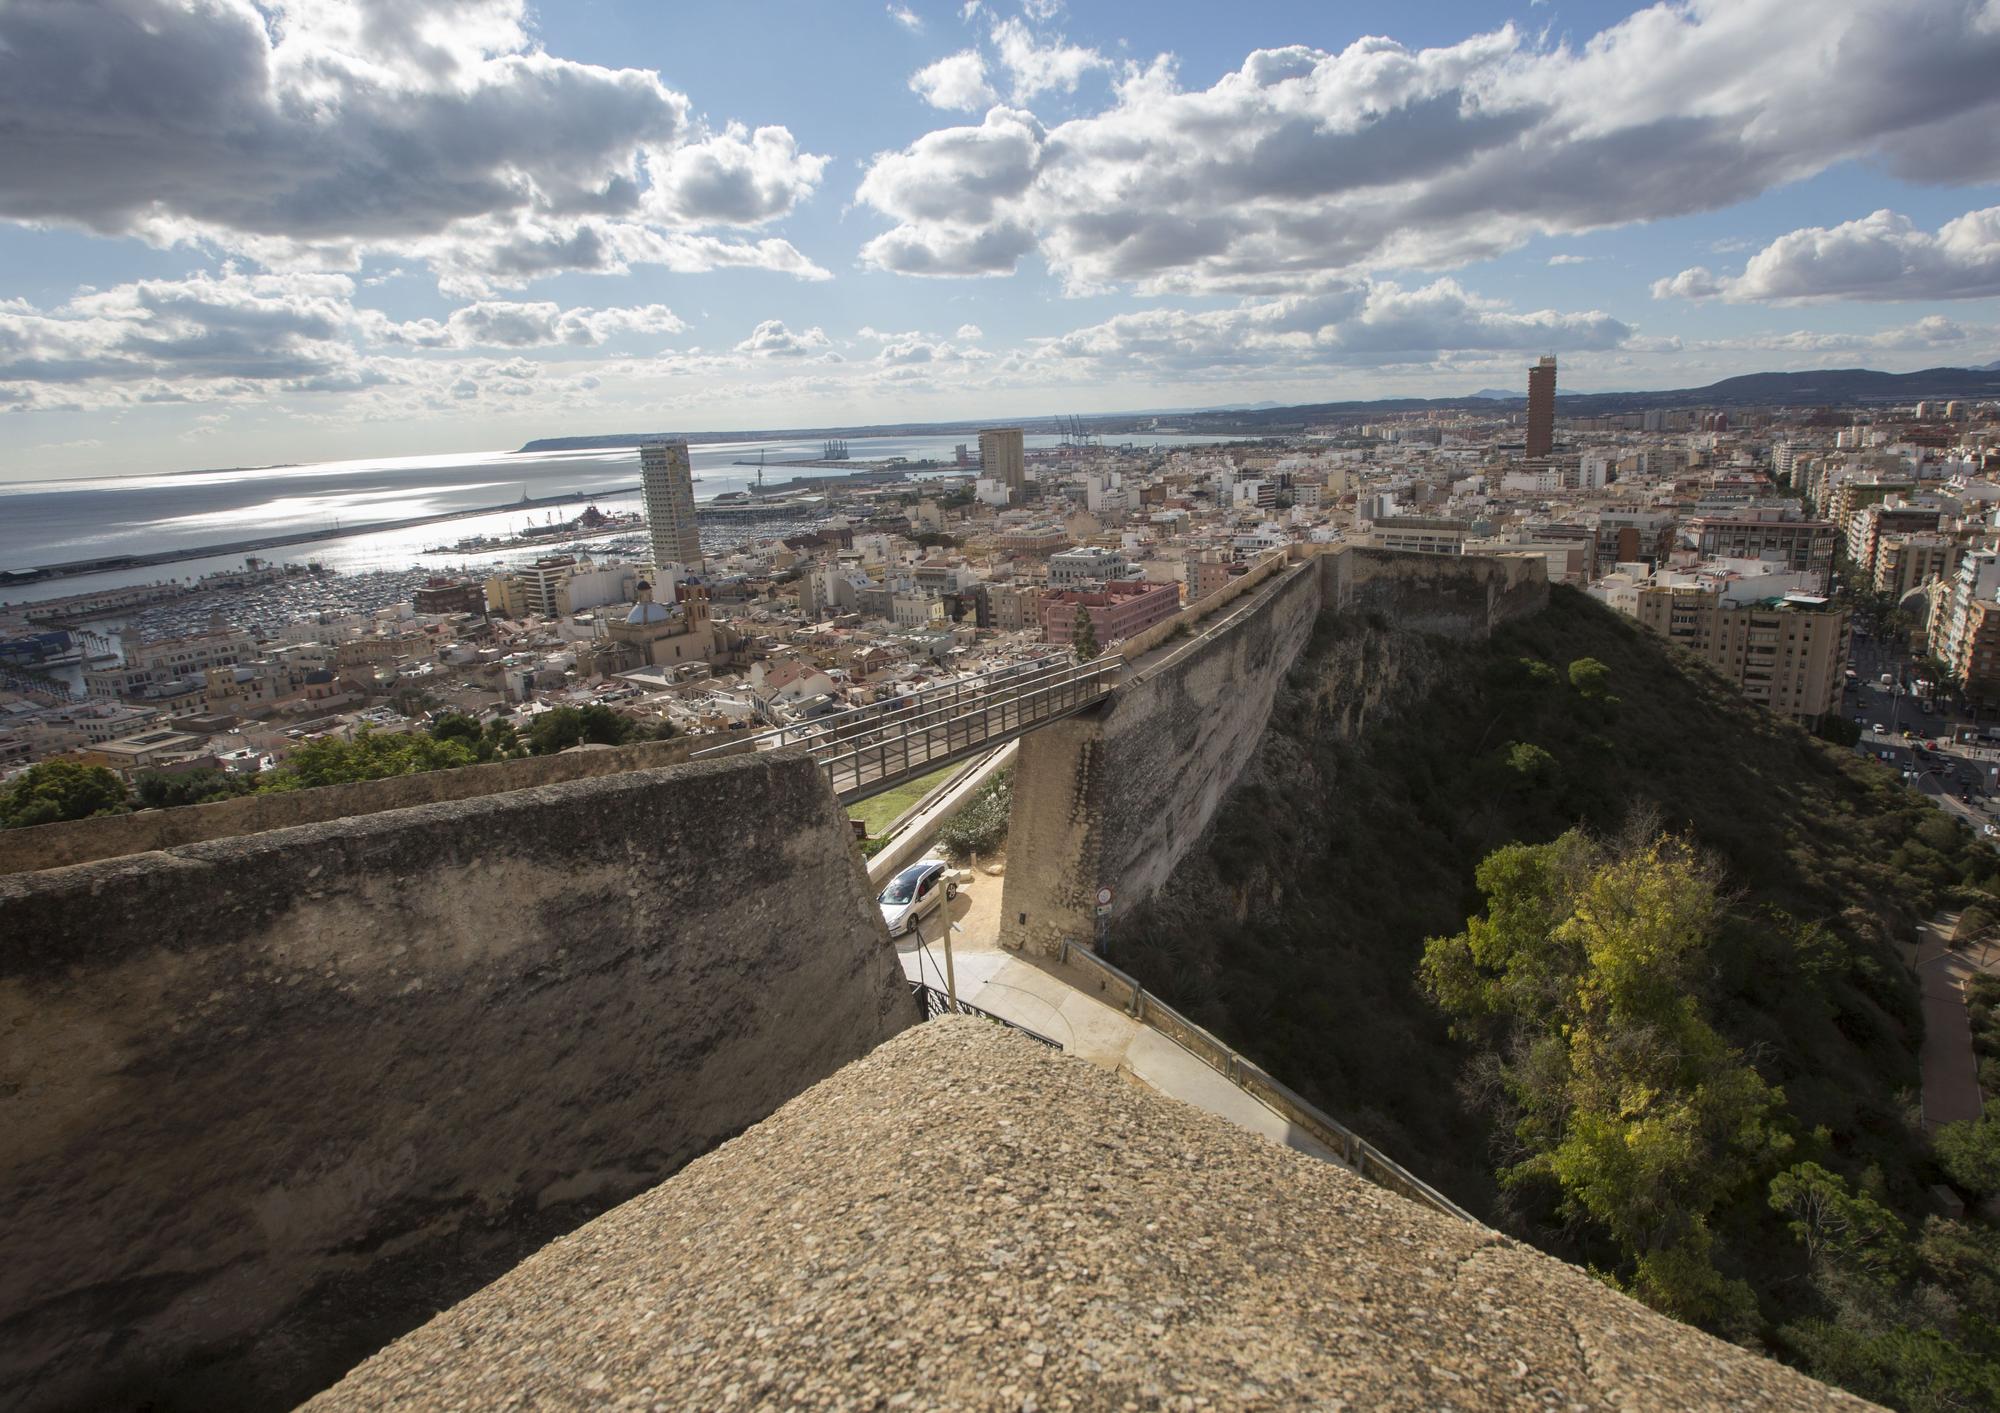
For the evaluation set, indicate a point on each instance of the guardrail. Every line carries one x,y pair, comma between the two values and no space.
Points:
936,1003
1123,990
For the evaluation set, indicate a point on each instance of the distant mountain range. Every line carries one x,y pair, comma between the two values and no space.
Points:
1831,387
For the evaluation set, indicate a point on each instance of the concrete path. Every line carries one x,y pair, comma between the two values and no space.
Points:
1014,989
1951,1069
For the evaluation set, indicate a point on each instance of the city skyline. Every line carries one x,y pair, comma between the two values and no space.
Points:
349,228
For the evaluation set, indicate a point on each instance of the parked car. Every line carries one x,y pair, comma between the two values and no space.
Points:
916,892
1880,729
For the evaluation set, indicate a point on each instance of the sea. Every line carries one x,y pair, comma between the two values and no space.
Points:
53,521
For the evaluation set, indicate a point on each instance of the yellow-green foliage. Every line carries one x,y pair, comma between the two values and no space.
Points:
1586,965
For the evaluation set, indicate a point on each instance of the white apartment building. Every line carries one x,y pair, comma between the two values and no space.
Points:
1090,564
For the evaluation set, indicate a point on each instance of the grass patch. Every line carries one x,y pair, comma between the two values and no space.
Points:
878,813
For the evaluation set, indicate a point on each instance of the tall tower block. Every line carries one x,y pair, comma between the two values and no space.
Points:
666,489
1002,458
1542,407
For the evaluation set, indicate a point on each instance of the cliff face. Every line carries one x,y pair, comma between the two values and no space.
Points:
1296,920
1114,799
1293,927
1356,670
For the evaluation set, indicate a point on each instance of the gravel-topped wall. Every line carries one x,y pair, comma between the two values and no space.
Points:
269,1101
967,1220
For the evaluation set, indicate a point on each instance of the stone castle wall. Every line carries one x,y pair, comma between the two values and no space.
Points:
272,1100
1115,797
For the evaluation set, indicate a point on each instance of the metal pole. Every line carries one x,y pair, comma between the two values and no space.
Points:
950,976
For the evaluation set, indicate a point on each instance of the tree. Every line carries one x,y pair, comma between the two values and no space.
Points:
1839,1227
1970,1153
1591,678
56,790
564,727
1582,984
1083,635
159,789
456,726
371,755
1528,766
502,741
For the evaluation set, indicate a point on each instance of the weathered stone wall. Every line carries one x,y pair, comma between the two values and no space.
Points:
113,836
271,1100
1455,595
1115,798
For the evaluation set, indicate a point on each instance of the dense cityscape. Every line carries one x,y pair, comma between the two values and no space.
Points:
999,704
1760,540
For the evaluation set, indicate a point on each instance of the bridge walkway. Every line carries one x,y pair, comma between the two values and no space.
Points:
868,749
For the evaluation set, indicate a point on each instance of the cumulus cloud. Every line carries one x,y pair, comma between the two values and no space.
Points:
1571,259
1358,324
917,351
955,81
538,324
1038,66
312,132
1303,164
960,194
235,336
771,339
1883,256
1932,333
906,17
233,328
734,178
482,258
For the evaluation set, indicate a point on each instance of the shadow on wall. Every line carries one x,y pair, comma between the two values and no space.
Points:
1108,802
272,1100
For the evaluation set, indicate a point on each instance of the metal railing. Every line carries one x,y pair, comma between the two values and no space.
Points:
866,749
1123,990
936,1003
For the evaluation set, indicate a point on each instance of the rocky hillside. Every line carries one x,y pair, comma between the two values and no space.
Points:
1395,763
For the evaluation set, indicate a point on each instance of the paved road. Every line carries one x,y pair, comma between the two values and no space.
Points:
1962,780
1950,1067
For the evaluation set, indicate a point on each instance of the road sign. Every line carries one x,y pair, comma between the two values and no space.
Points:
1104,897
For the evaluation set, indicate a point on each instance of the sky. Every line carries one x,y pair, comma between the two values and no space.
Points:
235,232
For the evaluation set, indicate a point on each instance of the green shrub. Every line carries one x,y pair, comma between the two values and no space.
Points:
1970,1154
980,825
53,791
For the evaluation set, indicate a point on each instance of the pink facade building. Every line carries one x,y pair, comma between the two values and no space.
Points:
1118,610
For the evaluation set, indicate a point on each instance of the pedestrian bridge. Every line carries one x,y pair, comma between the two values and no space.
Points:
868,749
